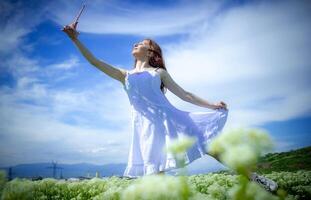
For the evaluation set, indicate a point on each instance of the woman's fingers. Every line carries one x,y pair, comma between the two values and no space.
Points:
66,28
222,105
71,32
69,29
71,26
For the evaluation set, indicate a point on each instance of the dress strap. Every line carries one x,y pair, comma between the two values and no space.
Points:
157,68
126,73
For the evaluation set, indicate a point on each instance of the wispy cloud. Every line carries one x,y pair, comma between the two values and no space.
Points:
121,17
17,20
68,64
43,124
253,57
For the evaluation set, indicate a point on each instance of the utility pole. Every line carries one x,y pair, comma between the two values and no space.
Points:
54,167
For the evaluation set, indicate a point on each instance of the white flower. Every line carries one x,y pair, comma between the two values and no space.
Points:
239,156
240,148
157,187
181,144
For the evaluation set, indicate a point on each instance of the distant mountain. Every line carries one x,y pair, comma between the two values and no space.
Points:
67,170
84,169
299,159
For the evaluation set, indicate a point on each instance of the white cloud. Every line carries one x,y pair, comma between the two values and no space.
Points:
40,122
37,130
71,125
119,17
17,20
73,61
254,58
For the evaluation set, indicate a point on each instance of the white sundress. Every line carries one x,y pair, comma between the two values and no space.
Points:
155,122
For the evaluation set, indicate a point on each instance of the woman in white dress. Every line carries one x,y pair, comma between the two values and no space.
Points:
155,120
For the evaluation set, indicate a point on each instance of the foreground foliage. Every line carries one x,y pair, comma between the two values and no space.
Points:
239,149
203,186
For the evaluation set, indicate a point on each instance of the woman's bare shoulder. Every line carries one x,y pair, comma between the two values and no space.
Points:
162,72
122,71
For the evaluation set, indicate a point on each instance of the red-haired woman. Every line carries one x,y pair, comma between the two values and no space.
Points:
155,121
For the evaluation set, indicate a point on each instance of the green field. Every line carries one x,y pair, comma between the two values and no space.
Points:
291,170
208,186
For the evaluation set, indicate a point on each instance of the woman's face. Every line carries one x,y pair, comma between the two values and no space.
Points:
140,49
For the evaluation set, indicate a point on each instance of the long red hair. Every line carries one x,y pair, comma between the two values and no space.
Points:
156,59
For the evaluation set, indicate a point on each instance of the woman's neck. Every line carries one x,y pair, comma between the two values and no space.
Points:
141,65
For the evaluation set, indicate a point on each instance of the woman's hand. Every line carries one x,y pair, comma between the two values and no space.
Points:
71,30
220,105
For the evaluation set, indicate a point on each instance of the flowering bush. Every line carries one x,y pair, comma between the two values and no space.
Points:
212,186
240,149
158,187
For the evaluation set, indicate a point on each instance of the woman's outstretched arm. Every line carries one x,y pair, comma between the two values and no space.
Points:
114,72
185,95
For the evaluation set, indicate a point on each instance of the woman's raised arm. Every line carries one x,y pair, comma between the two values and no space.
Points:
185,95
114,72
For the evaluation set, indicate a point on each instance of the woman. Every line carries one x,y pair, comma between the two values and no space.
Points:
155,120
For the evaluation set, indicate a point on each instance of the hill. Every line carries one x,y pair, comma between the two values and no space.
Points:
299,159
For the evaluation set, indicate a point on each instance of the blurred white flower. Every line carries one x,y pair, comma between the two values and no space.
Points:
240,156
181,144
250,190
240,148
158,187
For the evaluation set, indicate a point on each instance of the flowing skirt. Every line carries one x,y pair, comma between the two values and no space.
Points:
153,132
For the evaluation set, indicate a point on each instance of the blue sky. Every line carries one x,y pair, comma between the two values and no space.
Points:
253,55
